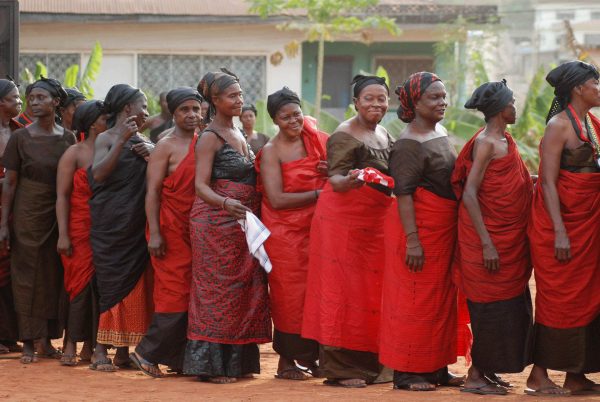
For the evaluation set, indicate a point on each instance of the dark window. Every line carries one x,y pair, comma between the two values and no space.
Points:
399,68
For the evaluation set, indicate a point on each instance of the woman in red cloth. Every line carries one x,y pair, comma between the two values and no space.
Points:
496,190
10,106
169,197
293,170
345,270
73,216
419,314
564,236
229,301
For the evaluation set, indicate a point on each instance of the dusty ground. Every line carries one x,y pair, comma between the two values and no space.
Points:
48,381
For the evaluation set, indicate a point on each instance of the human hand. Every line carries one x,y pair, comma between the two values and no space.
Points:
235,208
64,246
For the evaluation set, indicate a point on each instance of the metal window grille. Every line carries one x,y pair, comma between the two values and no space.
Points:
158,73
56,63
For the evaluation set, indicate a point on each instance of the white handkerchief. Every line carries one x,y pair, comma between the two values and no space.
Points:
256,235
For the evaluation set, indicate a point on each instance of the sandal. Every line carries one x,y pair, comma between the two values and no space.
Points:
544,391
337,383
487,389
103,365
68,360
139,362
416,386
52,354
281,375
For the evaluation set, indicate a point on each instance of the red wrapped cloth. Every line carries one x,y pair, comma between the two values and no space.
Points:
346,262
79,267
568,294
288,244
228,295
420,315
173,271
505,198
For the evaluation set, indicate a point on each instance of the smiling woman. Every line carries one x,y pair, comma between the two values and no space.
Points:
343,294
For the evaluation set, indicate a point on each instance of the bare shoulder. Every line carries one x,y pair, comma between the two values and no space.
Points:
559,128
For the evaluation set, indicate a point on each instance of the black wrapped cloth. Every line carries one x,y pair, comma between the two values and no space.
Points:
280,98
6,86
117,234
52,86
359,82
73,95
563,79
117,98
490,98
177,96
85,115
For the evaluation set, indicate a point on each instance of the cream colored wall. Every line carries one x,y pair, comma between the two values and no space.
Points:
122,42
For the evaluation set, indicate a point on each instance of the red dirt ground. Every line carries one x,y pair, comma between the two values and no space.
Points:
48,381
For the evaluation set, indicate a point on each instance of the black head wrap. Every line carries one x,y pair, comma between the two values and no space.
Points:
490,98
280,98
177,96
86,114
251,107
53,87
214,83
411,91
359,82
73,95
6,86
564,78
117,98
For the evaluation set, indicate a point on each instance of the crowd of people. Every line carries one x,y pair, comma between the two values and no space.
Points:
381,251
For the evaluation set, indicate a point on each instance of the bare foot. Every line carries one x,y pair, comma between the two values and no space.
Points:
121,359
578,383
538,383
475,379
46,350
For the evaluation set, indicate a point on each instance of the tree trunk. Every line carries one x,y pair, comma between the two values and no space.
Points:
320,65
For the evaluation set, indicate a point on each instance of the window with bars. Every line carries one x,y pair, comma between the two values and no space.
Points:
158,73
592,40
565,15
56,63
400,67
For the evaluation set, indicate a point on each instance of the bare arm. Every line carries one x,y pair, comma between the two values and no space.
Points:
206,147
158,165
106,152
270,170
64,187
8,194
553,143
415,257
483,153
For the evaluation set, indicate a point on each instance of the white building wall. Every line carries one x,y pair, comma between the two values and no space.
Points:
122,42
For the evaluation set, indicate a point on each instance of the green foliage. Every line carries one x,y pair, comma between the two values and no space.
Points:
71,76
321,20
91,72
264,123
40,70
327,122
153,103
